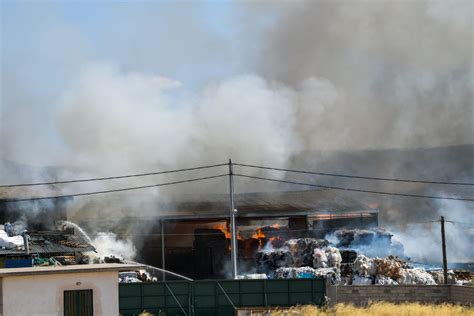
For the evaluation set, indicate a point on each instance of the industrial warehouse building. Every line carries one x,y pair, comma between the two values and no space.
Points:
195,229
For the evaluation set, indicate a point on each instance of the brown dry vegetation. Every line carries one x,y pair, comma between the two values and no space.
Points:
379,309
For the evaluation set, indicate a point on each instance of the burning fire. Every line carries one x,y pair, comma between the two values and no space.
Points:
225,229
261,236
275,238
258,234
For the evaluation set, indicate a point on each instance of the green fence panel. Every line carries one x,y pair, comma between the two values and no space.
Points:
204,288
252,286
278,286
319,286
223,300
300,286
130,302
230,286
217,297
278,299
149,302
153,289
130,289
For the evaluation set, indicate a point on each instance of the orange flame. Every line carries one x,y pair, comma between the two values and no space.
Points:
225,229
272,239
258,234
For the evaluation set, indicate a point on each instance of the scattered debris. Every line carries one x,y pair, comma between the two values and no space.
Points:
72,244
8,241
305,273
361,280
438,276
384,280
364,266
415,276
136,277
310,258
302,250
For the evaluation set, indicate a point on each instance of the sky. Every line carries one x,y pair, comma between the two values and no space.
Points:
176,39
46,44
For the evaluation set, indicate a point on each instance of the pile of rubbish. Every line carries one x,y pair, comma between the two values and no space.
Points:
136,277
386,271
377,242
305,273
10,238
301,258
293,253
343,262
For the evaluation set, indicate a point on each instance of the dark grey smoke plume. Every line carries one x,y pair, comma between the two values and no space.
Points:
401,78
401,70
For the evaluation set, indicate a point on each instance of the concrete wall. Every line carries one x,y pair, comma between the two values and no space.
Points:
43,294
362,294
461,294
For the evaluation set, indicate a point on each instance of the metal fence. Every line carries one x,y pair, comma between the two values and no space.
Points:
216,297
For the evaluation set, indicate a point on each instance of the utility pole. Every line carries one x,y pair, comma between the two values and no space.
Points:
233,230
163,252
443,245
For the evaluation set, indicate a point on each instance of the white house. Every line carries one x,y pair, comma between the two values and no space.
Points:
89,289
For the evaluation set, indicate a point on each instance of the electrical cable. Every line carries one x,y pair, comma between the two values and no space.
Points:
281,230
356,190
113,190
110,178
353,176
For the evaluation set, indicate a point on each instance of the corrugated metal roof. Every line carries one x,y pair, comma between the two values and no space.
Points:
267,204
52,243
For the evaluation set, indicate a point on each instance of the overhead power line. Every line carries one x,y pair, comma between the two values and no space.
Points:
281,230
110,178
353,176
355,190
113,190
236,164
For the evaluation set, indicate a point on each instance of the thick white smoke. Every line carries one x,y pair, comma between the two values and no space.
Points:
107,244
422,242
115,121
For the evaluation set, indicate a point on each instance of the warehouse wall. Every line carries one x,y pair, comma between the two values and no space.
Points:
362,294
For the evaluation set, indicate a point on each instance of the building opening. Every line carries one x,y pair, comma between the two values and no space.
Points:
78,303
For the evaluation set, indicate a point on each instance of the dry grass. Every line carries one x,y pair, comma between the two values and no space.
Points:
379,309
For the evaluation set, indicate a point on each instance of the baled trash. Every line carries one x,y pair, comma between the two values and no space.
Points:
360,280
384,280
364,266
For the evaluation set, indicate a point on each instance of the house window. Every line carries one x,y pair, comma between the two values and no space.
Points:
78,303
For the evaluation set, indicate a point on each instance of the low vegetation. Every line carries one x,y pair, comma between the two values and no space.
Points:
378,309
